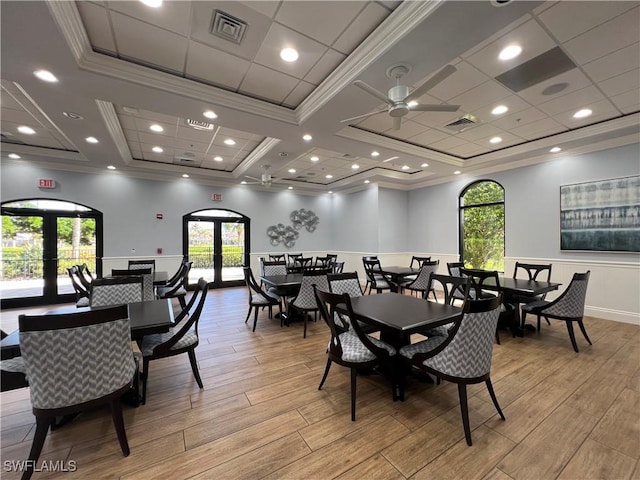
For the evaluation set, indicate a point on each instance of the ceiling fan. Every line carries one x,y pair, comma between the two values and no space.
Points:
264,180
399,98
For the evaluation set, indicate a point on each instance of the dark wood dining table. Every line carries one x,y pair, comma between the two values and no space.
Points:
397,274
398,316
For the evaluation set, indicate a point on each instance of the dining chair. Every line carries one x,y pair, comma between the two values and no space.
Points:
116,290
181,338
74,362
416,262
464,355
137,264
305,300
176,286
291,258
375,279
13,373
454,289
82,292
258,298
568,306
349,283
532,271
276,257
86,277
323,261
148,293
338,267
350,348
421,283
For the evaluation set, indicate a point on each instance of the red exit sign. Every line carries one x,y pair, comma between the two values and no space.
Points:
216,197
46,183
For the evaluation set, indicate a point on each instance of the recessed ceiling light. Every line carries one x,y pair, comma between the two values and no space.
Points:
289,187
457,172
217,158
424,165
500,109
375,154
156,128
46,76
509,52
157,149
367,181
26,130
91,140
111,167
330,192
585,112
229,141
328,176
495,140
15,156
555,149
314,159
243,182
289,54
306,137
185,175
405,167
355,166
210,114
152,3
292,170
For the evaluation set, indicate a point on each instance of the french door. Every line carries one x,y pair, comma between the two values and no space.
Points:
217,242
40,240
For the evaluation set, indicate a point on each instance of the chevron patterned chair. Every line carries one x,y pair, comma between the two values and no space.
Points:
116,290
60,384
305,300
82,291
182,338
259,298
352,348
421,282
349,283
569,306
176,285
148,292
464,355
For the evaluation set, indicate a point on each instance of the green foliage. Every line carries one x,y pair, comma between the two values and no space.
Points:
202,256
87,230
483,193
9,229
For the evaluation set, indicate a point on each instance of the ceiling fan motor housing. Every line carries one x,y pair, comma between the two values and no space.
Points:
397,95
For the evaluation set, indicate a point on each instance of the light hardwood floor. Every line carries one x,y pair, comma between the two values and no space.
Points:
569,415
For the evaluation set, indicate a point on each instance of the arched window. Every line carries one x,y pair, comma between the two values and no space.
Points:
481,214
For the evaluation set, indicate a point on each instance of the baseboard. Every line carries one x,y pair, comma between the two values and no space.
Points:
614,315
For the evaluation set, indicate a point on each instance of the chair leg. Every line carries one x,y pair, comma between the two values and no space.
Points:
194,367
538,326
183,302
497,336
118,423
354,373
42,427
305,315
584,331
572,335
255,319
145,374
464,409
248,314
493,397
326,372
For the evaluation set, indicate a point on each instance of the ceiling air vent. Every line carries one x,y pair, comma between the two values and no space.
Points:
227,26
462,123
198,125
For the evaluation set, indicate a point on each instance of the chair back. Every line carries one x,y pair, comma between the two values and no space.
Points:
252,285
454,288
305,300
74,358
291,258
147,280
323,261
348,283
422,280
479,278
187,320
371,266
116,291
274,268
180,275
570,303
276,257
417,262
76,281
338,267
86,277
533,270
454,268
138,264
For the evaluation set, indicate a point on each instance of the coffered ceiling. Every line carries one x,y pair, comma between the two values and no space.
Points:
124,68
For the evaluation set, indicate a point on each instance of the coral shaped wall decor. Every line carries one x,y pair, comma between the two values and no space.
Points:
287,235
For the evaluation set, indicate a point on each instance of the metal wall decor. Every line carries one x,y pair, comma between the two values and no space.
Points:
287,235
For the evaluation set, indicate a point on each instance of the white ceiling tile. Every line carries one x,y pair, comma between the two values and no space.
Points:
183,145
327,64
150,44
127,122
574,80
480,131
20,117
265,7
613,35
302,91
317,20
627,102
134,146
467,150
447,143
437,119
484,94
534,128
361,27
132,135
171,16
280,37
517,119
268,84
427,137
96,22
530,36
155,138
465,78
376,123
573,101
601,109
545,133
254,35
622,83
508,139
514,103
407,129
566,20
142,125
621,61
215,66
202,136
155,117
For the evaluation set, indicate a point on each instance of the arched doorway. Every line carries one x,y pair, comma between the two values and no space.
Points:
217,242
41,238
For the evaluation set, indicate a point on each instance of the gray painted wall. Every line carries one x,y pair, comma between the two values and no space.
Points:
355,221
393,217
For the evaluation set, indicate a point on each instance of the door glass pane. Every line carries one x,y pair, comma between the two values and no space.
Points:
483,237
76,245
201,252
21,265
232,251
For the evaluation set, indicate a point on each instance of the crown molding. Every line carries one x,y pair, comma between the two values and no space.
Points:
256,154
110,117
41,152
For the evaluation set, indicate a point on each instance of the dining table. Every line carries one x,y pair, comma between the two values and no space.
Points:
398,317
397,274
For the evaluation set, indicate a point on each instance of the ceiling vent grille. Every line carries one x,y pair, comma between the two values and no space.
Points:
462,123
199,125
228,27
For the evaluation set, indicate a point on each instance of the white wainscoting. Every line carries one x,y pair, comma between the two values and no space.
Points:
164,263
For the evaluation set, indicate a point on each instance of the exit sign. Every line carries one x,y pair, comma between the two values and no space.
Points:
46,183
216,197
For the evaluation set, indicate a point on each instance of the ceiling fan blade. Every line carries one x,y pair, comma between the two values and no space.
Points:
432,82
372,91
435,108
363,116
397,121
252,178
